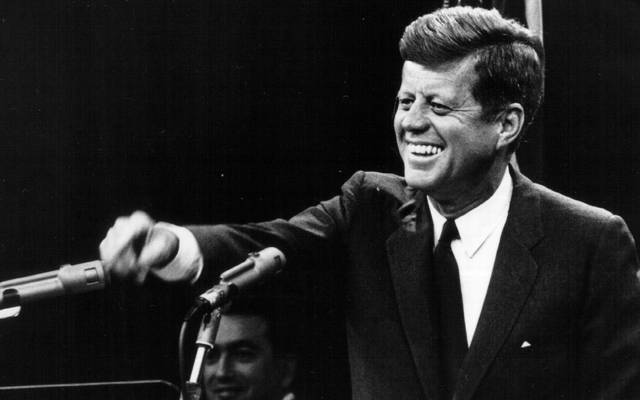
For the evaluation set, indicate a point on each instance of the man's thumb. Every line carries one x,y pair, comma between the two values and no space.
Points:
160,248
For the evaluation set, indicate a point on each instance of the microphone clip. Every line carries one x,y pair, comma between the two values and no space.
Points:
216,297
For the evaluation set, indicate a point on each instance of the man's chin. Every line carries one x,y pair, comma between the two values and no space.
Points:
418,180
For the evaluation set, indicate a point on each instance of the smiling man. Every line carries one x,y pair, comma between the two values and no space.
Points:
435,115
254,356
463,279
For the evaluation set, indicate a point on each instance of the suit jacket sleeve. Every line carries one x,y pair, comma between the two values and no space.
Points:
307,236
610,354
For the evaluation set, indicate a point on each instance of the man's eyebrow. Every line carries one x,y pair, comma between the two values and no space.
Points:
242,343
402,91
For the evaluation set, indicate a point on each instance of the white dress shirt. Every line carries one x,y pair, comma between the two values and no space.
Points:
475,252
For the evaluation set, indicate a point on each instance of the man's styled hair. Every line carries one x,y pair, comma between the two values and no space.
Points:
509,59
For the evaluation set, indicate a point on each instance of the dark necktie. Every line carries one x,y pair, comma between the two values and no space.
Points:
453,337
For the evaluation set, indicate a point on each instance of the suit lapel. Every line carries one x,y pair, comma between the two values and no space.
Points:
409,253
511,282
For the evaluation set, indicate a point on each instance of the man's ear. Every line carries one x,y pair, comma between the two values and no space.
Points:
510,121
288,365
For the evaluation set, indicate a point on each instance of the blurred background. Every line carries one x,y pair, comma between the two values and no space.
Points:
234,111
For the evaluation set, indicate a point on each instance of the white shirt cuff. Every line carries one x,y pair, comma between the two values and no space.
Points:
187,264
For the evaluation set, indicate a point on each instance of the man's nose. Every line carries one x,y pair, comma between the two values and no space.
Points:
416,119
224,367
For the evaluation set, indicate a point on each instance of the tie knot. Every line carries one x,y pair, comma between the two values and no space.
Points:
449,232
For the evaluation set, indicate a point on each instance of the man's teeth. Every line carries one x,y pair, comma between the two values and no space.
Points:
424,149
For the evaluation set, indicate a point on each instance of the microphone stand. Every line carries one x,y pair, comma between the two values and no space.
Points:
205,342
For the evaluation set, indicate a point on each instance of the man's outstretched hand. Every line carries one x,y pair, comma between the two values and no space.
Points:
134,245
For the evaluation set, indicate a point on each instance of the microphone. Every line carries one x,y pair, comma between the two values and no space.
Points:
256,268
69,279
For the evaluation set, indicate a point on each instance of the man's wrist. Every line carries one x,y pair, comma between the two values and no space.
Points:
187,264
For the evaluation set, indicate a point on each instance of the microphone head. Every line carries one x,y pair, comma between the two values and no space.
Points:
259,266
270,259
85,277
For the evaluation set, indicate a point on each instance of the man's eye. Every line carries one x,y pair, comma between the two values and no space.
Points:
439,109
405,102
244,355
213,356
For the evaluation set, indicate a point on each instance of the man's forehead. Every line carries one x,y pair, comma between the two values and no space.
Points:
241,328
453,77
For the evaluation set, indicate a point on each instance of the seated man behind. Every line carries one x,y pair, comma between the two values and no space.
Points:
255,355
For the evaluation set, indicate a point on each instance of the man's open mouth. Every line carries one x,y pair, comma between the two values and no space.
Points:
228,390
424,149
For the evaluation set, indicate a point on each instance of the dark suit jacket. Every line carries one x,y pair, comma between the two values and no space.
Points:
561,318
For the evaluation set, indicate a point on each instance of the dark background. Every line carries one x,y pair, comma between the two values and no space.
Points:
238,110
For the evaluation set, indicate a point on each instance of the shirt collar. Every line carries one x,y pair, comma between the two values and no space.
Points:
476,225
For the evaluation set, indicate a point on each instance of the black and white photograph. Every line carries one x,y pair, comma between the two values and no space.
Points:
319,200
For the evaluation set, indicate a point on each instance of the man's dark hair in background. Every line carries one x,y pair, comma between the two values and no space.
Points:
284,314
